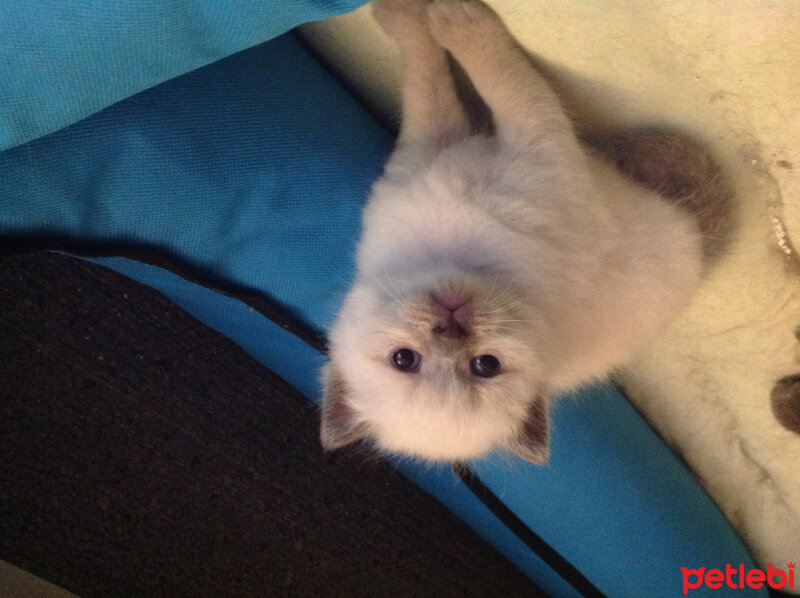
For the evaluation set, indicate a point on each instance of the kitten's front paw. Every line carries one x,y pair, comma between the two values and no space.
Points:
401,18
456,22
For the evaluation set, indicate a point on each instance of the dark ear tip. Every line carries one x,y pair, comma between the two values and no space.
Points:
332,439
541,456
532,443
325,439
339,424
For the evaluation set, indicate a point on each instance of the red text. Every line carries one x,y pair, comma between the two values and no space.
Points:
737,578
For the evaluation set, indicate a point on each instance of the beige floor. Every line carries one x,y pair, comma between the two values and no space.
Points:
729,73
16,583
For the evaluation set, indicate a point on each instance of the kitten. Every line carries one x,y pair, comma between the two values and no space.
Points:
496,269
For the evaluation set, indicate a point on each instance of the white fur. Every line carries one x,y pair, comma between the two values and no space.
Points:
569,268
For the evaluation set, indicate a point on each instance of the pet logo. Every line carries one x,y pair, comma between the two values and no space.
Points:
737,578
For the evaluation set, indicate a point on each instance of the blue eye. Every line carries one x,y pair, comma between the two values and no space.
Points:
406,360
485,366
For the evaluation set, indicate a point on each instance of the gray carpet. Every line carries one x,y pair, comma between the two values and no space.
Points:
143,454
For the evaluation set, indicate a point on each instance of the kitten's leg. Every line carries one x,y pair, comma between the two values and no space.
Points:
433,116
523,105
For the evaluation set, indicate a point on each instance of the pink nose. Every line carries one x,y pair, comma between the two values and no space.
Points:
450,301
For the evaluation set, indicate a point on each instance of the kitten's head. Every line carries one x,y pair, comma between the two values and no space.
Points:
443,367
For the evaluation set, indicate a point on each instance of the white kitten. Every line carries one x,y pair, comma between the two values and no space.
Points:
494,269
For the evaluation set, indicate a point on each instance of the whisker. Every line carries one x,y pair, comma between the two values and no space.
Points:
398,294
499,299
393,293
506,306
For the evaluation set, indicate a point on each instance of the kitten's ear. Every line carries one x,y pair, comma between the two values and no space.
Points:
532,442
340,426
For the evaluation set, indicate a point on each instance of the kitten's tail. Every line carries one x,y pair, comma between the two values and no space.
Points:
680,170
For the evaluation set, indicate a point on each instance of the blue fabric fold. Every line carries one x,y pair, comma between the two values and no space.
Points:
255,169
63,61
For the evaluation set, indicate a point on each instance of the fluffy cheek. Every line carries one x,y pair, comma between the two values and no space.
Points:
404,416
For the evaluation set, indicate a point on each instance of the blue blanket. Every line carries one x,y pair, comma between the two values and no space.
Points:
254,169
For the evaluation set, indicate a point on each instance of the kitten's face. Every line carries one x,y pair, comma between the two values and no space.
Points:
443,367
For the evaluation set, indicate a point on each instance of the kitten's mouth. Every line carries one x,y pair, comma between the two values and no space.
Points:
450,310
451,328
